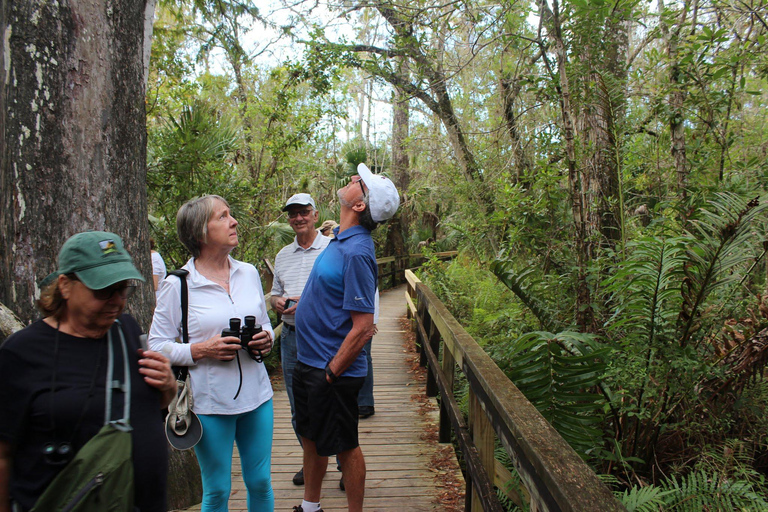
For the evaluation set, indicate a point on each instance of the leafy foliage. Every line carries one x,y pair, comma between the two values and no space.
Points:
700,491
189,157
558,374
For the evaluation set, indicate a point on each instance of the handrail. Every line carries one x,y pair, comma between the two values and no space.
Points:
399,264
553,474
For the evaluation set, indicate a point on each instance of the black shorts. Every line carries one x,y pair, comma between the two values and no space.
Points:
326,413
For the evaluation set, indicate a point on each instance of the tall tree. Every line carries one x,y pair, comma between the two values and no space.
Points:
399,226
73,138
419,35
677,94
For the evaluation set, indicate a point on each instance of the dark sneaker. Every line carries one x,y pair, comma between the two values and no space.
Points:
299,509
298,478
341,484
366,411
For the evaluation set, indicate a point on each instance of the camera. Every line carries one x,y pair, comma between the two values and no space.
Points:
245,334
289,303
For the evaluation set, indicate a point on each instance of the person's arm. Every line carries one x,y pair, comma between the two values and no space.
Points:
5,477
156,370
265,339
276,298
353,344
165,329
156,280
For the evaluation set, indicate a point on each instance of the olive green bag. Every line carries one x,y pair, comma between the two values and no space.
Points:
100,476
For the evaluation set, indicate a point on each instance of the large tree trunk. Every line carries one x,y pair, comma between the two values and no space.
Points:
74,139
73,145
603,114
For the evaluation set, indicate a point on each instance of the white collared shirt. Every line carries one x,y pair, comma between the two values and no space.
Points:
293,265
214,383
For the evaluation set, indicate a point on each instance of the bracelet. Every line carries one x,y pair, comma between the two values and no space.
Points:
330,373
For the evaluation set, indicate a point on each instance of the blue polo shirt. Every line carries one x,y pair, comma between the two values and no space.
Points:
342,280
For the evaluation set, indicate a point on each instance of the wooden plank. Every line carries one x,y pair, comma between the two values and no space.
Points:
398,460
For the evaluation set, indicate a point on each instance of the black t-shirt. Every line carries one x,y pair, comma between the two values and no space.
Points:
32,416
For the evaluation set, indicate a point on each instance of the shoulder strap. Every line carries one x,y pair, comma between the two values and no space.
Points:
123,383
182,275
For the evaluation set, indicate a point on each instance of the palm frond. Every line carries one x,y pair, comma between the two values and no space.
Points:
558,373
519,283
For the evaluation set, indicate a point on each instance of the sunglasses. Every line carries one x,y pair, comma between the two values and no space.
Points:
303,213
122,290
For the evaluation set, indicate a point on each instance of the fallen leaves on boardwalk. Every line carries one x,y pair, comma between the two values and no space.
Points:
443,464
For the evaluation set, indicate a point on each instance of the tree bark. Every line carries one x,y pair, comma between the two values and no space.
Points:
509,89
676,99
399,227
74,139
9,323
73,145
583,313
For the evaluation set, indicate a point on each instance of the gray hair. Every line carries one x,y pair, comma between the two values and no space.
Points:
365,218
192,221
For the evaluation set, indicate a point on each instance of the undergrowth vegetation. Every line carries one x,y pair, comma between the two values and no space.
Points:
667,397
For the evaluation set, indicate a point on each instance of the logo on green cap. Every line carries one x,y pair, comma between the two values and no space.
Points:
107,246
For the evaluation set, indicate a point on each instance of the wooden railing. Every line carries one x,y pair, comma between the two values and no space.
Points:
392,268
554,476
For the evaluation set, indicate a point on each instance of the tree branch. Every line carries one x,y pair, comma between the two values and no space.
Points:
9,323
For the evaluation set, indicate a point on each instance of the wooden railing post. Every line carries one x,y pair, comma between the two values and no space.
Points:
434,344
449,370
483,436
422,319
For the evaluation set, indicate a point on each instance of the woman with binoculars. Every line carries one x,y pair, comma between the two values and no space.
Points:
233,399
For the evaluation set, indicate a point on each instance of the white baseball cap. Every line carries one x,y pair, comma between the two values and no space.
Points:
383,199
300,200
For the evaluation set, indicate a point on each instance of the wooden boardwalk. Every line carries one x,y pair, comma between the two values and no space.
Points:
397,455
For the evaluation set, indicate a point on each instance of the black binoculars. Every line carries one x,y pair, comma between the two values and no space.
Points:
245,334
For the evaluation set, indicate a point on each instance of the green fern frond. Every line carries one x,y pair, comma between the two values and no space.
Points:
646,290
701,491
716,245
643,499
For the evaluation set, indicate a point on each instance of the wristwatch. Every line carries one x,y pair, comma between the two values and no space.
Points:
330,373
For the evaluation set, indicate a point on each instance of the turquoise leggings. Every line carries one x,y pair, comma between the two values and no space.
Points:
253,433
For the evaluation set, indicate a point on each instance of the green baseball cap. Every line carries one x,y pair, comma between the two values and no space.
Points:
98,259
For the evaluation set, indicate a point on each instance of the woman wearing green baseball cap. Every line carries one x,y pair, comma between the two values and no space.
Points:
53,375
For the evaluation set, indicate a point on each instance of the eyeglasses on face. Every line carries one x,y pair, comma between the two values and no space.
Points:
359,180
304,213
122,290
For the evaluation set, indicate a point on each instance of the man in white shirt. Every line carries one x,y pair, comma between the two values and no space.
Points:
292,267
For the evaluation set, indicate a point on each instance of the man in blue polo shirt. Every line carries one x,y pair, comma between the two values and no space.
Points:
331,331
